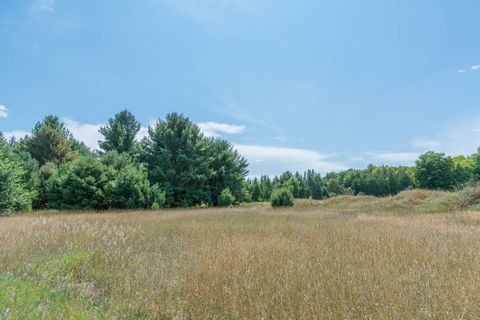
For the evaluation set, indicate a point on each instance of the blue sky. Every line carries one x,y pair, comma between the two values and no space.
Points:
294,84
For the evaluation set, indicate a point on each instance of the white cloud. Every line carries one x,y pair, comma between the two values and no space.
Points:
263,159
3,111
87,133
215,129
275,160
459,138
17,134
476,67
142,133
461,70
42,7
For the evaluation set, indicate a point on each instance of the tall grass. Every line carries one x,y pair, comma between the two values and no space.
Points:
247,263
406,202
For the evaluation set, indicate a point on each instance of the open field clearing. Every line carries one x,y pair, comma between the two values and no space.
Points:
240,263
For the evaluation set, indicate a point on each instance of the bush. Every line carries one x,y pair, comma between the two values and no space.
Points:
226,198
79,185
46,172
157,197
14,195
282,197
129,189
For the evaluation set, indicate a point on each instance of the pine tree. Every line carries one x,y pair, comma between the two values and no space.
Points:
120,133
50,142
177,157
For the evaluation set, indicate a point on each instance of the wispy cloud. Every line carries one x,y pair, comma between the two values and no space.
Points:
3,111
425,144
237,112
275,160
474,67
17,134
459,138
390,158
42,7
215,129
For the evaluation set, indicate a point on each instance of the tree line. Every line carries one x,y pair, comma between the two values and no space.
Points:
432,170
175,165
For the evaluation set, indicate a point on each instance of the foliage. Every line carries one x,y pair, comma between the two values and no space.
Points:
120,132
112,182
50,142
157,197
177,166
282,197
226,198
80,184
375,181
288,181
435,171
14,195
176,157
312,186
228,170
192,169
260,189
46,172
129,187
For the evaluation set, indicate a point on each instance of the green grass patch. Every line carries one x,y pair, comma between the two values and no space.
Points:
51,289
22,298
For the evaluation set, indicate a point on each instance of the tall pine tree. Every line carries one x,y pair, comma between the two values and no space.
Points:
120,133
177,157
50,142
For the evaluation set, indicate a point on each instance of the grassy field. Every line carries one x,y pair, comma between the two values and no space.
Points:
343,258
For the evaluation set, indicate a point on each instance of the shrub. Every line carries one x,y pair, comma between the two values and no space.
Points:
226,198
129,189
157,197
14,195
282,197
46,172
80,185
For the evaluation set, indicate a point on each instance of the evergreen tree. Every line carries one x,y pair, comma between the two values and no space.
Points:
177,158
80,185
226,198
228,170
266,188
50,142
282,197
129,187
120,133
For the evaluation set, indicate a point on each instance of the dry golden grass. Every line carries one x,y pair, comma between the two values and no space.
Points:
244,263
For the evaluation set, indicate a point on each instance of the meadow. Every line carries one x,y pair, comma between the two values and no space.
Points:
403,257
